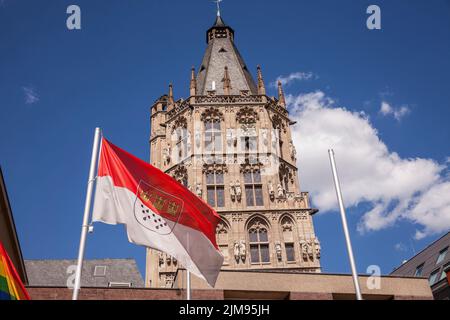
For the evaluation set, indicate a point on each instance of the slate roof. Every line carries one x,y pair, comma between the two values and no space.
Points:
221,53
55,273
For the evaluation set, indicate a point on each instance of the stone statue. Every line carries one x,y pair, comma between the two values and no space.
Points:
161,258
198,138
242,250
238,189
278,250
198,190
236,251
166,156
304,247
293,150
317,248
271,190
233,191
310,249
230,139
280,191
265,137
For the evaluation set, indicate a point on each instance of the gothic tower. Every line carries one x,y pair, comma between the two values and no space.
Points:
231,144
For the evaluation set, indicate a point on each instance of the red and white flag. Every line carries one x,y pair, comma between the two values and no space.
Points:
158,212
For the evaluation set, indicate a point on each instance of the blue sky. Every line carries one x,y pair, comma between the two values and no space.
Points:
57,85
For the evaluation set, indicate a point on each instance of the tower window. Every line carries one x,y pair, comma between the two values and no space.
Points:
253,189
259,243
213,136
290,252
215,189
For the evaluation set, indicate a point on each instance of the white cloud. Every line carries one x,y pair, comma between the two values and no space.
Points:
398,113
296,76
400,247
30,95
397,188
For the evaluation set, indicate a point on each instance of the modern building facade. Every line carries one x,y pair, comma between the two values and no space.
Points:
231,144
432,263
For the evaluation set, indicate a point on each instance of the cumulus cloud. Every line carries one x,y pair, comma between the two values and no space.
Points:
30,95
398,113
396,188
296,76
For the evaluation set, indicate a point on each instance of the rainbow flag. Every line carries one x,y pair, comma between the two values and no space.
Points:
11,287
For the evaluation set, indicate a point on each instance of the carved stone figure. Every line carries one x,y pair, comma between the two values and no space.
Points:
161,258
265,137
198,190
238,190
280,191
317,248
166,156
278,250
242,251
310,249
233,191
198,139
271,190
236,251
293,151
304,247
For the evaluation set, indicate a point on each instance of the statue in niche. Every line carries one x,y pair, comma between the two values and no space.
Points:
198,190
317,248
168,260
236,251
161,258
271,190
230,139
238,190
281,193
293,150
304,247
265,137
278,250
310,249
198,139
242,251
233,191
166,155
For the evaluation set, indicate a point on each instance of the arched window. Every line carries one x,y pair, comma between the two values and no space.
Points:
287,229
222,233
259,242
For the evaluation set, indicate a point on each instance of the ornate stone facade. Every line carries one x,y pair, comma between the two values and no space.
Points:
231,145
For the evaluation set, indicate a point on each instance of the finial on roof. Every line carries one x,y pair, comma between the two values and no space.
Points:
171,99
218,6
261,85
281,98
193,86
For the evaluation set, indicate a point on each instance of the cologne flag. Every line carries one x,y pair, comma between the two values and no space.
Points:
158,212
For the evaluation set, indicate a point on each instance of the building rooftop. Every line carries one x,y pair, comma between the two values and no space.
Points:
96,273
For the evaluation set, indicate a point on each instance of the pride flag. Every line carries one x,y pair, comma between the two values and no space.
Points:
11,287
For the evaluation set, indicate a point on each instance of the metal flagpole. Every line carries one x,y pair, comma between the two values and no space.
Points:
188,280
188,286
87,209
344,224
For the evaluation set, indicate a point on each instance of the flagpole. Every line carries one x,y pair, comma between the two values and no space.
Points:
344,224
188,286
87,210
188,279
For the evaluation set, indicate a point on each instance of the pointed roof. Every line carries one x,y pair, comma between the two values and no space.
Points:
220,53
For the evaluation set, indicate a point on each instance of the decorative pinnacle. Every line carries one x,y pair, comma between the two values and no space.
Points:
218,6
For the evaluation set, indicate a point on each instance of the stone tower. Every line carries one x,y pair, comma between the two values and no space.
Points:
231,145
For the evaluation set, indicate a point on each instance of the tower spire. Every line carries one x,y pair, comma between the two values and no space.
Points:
261,85
193,86
281,98
171,99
